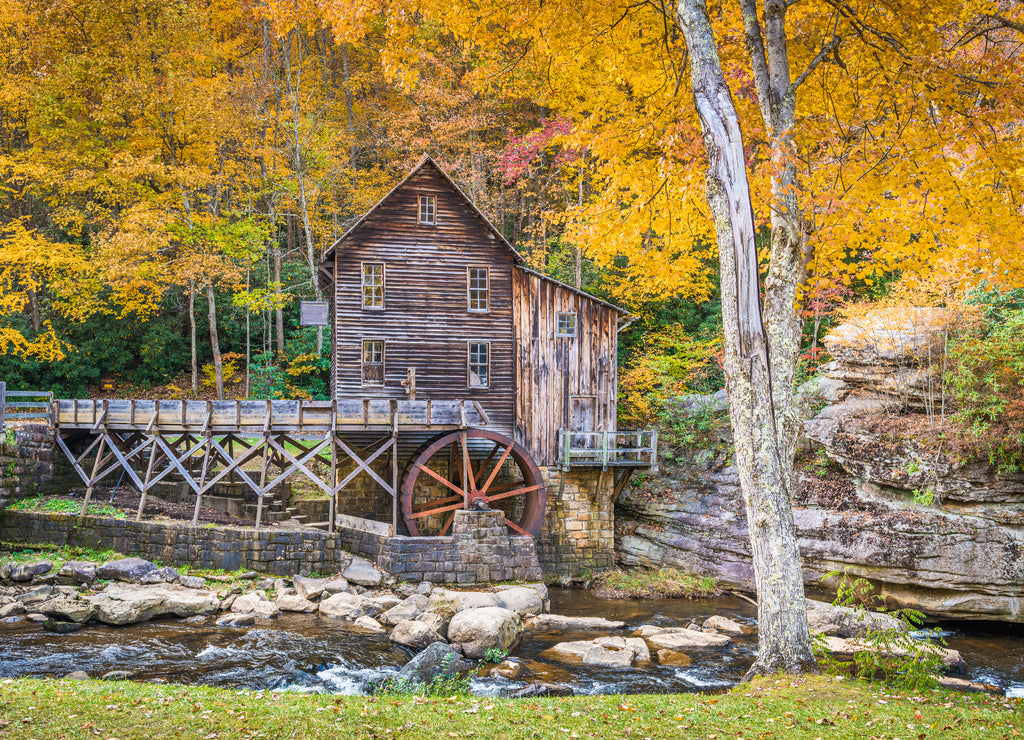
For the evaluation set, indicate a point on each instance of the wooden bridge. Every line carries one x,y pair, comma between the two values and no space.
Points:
260,443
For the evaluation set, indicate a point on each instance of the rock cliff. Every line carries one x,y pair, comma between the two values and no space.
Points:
880,492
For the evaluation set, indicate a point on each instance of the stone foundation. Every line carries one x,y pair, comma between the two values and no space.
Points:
30,464
579,525
479,550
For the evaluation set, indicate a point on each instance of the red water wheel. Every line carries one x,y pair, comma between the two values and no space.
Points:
472,468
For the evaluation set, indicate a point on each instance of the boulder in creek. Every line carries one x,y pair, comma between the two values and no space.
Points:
575,624
256,602
14,609
719,623
606,652
373,605
511,669
443,599
536,690
308,588
369,624
161,575
76,676
478,630
28,571
126,570
437,659
435,621
76,572
520,599
340,606
362,573
414,634
121,604
235,619
410,608
680,639
671,657
842,621
68,609
848,647
191,581
295,603
37,595
59,627
338,585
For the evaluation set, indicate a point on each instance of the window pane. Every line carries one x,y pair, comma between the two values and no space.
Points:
566,326
478,365
478,289
373,285
427,209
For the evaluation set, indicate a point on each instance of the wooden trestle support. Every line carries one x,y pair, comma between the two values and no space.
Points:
260,443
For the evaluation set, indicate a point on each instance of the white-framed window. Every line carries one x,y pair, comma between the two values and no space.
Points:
428,209
478,289
373,362
373,285
566,325
479,365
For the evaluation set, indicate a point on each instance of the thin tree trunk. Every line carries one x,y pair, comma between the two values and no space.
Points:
218,366
279,311
765,468
33,302
192,334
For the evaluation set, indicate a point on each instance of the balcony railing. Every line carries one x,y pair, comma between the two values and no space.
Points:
608,449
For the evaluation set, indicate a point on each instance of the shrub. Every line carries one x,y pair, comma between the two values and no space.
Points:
986,377
891,655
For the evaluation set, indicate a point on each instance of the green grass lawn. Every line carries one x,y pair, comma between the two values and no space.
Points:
776,707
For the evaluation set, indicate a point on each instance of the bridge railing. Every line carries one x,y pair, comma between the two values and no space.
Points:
634,449
24,405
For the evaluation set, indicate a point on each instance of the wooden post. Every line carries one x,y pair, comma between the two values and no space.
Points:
263,476
3,403
334,466
145,484
604,450
654,451
92,477
394,468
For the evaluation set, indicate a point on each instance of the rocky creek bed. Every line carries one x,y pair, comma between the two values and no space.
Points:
346,636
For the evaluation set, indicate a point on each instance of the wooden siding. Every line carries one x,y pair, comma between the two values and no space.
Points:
551,370
426,323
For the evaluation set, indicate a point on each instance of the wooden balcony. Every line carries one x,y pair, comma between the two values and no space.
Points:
608,449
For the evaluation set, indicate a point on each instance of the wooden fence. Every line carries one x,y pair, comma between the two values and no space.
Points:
24,404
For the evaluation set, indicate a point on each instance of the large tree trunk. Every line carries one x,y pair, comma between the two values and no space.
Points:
762,457
218,366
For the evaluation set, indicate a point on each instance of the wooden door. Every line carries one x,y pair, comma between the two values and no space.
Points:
582,418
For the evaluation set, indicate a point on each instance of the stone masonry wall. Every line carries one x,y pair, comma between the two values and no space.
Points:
479,550
579,525
30,464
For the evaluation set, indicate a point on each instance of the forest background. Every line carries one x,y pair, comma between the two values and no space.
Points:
171,172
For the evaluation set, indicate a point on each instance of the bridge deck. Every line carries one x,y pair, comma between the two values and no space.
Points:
259,417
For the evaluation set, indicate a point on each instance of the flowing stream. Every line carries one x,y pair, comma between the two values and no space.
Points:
309,653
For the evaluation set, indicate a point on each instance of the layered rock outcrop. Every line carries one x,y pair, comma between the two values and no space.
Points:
882,497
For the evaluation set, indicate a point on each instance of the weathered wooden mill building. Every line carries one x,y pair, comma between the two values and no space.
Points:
431,302
462,382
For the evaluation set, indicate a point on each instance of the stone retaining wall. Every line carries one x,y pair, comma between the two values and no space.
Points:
30,464
479,550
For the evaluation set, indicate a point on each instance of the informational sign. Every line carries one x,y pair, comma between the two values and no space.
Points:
313,313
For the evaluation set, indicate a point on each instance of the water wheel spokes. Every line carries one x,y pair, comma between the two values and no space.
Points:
472,468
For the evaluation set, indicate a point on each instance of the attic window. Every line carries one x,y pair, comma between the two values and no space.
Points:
566,326
428,209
